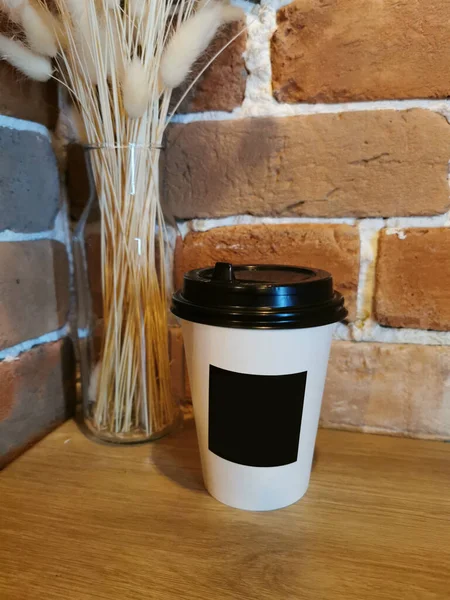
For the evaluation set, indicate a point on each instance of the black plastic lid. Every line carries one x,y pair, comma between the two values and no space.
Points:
259,297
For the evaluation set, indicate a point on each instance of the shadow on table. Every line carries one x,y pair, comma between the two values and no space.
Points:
178,458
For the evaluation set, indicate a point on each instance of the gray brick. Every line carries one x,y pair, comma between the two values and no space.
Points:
29,181
361,164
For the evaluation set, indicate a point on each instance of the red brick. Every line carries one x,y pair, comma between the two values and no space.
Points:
77,180
98,339
362,164
334,248
25,99
94,265
222,85
412,275
347,50
34,288
6,397
388,388
38,393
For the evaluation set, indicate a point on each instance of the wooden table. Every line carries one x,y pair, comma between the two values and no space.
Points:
81,520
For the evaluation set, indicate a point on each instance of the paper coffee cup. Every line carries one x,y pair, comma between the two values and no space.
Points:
257,342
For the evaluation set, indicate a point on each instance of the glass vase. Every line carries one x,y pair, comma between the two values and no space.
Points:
122,310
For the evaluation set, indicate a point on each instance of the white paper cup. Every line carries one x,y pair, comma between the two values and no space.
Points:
256,392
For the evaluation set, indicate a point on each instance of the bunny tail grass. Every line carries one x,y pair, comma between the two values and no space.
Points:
110,61
135,89
17,54
39,35
39,25
11,7
191,39
232,13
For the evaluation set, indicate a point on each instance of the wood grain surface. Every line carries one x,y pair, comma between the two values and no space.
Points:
81,520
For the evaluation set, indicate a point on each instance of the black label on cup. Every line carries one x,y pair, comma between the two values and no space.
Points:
255,420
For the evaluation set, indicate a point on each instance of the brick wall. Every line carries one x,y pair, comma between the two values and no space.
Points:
320,137
336,157
36,355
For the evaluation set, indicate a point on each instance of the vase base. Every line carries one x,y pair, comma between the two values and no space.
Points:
136,436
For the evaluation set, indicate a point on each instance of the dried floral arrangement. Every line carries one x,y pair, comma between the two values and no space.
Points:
120,60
